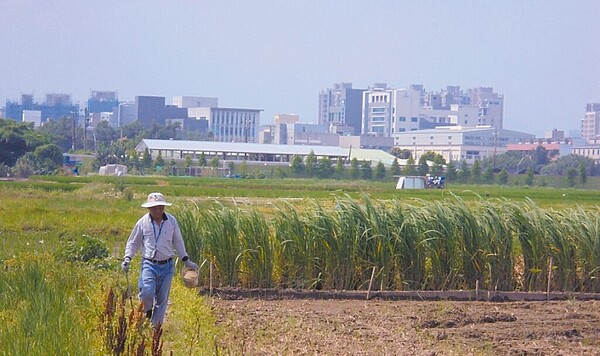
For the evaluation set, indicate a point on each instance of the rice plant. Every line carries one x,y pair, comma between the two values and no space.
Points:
438,224
495,226
43,309
257,250
562,248
586,224
294,249
409,246
529,222
440,245
221,244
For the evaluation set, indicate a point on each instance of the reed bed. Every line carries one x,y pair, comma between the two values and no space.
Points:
495,244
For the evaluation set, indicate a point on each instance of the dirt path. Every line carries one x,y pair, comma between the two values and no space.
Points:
375,327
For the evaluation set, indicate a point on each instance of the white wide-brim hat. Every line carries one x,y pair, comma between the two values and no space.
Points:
155,199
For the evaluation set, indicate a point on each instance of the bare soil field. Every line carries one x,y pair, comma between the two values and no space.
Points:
403,327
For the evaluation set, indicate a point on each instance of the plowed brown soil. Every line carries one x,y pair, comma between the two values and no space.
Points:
378,327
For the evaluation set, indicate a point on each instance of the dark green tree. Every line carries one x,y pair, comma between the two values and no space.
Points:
339,168
105,133
401,153
188,162
410,169
324,168
60,132
48,158
563,164
582,173
540,156
134,131
146,160
380,171
476,172
423,168
354,168
438,165
202,159
502,177
451,171
529,177
159,163
366,170
570,177
311,163
488,175
297,166
13,141
395,168
464,173
243,170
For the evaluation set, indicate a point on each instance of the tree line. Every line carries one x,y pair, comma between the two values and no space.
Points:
25,150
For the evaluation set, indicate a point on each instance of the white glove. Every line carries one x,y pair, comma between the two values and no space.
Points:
191,265
126,264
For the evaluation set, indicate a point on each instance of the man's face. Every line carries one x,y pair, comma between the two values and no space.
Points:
157,212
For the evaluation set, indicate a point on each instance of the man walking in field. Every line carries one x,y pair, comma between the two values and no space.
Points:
158,236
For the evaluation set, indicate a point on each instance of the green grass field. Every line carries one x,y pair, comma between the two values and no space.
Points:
44,218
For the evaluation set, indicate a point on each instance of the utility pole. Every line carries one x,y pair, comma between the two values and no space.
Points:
495,148
85,124
73,138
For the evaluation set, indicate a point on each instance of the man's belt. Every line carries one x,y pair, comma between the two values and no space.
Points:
159,262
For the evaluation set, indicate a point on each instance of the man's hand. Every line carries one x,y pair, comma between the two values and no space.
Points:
126,264
191,265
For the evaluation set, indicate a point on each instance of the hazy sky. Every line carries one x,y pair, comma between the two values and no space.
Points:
277,55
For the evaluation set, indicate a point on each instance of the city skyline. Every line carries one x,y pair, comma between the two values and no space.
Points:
278,57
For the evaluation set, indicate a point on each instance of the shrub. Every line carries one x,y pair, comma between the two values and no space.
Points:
86,249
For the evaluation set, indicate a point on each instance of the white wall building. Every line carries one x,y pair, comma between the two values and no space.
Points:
390,112
457,143
590,124
229,124
34,116
195,101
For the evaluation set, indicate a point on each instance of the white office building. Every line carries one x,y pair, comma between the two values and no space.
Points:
389,112
229,124
458,143
590,124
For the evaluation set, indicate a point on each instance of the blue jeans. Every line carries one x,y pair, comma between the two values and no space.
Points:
155,285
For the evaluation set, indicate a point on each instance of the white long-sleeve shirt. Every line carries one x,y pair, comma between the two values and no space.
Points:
158,241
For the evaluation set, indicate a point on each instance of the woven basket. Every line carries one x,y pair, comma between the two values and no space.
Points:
190,277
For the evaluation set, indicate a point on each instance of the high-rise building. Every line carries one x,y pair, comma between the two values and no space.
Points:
102,101
152,110
491,106
126,114
341,105
590,124
55,107
388,112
